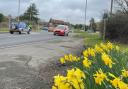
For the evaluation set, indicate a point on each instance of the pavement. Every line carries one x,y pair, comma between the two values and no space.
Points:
22,55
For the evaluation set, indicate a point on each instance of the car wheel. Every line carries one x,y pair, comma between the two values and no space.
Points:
19,32
11,32
28,32
65,34
54,34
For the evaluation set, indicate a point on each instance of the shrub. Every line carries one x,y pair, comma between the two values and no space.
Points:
117,28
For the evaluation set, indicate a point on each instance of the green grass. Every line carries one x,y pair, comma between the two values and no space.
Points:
4,30
77,31
36,30
124,47
90,39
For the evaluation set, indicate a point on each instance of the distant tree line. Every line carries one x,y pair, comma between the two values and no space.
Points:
78,26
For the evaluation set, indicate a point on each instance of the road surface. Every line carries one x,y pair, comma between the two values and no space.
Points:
22,57
16,39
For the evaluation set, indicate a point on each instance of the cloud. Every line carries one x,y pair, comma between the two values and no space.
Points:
69,10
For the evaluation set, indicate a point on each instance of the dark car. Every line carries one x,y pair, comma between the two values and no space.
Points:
44,28
62,30
19,27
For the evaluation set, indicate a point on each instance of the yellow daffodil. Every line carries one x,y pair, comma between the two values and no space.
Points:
89,52
117,48
85,53
99,76
98,49
110,45
87,63
104,47
59,79
117,82
107,60
122,85
74,58
53,87
65,86
66,57
71,57
75,73
124,73
75,78
79,73
77,58
62,60
61,82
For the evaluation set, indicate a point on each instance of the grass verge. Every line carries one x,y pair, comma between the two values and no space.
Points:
90,39
4,30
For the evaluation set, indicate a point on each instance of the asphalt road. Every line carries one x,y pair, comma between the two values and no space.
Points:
24,58
8,40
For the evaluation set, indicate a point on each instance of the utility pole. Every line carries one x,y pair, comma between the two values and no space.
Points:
104,31
31,13
85,14
18,10
111,9
105,17
9,21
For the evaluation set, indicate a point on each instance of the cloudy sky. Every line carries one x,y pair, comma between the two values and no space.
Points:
68,10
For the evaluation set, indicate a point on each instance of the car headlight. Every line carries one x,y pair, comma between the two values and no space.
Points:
61,31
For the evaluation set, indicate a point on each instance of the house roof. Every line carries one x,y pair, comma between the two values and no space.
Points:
54,21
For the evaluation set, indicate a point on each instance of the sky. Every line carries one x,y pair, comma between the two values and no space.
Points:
72,11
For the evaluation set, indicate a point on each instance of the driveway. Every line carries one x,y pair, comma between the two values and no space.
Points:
21,57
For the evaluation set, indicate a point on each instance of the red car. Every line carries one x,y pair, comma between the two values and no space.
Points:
61,30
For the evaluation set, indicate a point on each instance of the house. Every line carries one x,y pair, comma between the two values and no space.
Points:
54,22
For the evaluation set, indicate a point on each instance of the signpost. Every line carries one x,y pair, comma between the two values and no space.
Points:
85,14
9,22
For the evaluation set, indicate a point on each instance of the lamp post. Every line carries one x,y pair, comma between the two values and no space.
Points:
111,9
86,2
18,10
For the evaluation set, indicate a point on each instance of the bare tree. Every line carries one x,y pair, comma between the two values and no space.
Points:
123,4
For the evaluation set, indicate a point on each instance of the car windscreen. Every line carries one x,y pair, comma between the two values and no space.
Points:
61,27
22,25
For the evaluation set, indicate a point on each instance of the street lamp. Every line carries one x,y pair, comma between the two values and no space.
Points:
18,10
85,14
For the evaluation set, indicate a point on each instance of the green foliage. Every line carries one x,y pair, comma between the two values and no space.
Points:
78,26
116,28
1,17
30,14
93,25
